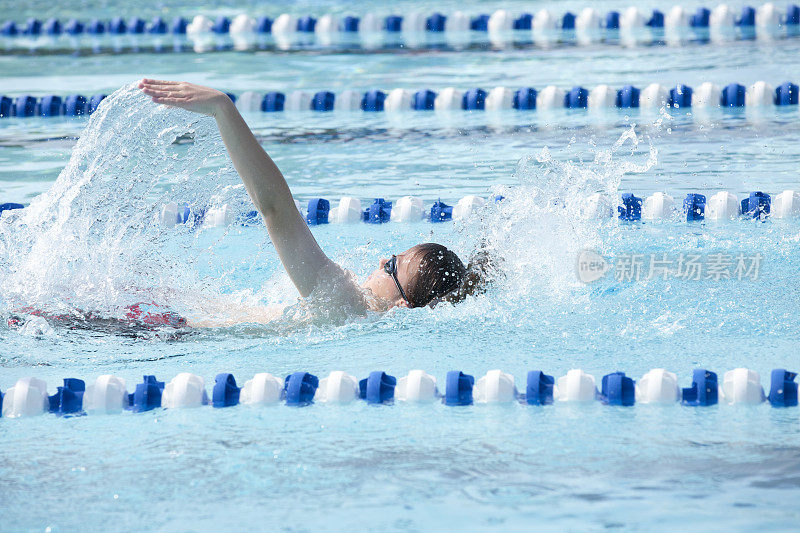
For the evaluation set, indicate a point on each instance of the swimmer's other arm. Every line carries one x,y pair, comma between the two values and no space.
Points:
300,254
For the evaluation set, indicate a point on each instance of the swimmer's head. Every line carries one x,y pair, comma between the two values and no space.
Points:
423,274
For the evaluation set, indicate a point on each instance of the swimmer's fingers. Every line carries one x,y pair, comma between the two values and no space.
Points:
162,93
147,82
172,101
189,96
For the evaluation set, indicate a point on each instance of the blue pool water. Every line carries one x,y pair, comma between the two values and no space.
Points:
90,240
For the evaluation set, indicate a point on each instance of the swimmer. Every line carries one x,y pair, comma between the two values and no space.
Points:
420,276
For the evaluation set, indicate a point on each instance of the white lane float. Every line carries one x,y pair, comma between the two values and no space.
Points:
786,205
456,29
577,386
741,385
602,97
457,22
658,205
597,206
242,25
28,397
263,389
677,18
544,28
348,210
723,206
199,32
759,94
218,216
185,390
551,97
349,100
327,30
414,22
370,23
249,102
172,214
199,25
448,99
298,101
243,32
338,387
654,96
398,100
587,26
721,16
417,386
408,209
495,387
107,395
413,29
768,19
499,98
706,95
284,31
722,24
499,27
658,386
467,206
631,18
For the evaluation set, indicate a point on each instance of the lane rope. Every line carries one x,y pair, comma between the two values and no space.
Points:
722,205
108,394
654,96
413,30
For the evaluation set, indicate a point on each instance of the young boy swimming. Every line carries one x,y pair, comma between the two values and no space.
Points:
422,275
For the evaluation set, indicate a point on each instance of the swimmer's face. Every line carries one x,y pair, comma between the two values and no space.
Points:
382,286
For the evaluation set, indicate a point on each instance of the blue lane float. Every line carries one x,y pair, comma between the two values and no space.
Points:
628,97
107,394
318,209
783,389
225,393
379,212
458,388
618,389
147,395
631,208
10,206
299,388
378,388
69,398
652,97
441,212
757,205
704,389
539,390
694,205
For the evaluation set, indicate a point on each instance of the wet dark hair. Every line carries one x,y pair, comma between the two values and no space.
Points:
441,276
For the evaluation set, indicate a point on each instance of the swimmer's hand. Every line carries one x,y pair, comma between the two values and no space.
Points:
188,96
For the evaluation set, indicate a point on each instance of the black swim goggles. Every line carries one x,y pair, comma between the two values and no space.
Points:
391,268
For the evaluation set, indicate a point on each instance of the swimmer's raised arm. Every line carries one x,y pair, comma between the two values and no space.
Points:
296,246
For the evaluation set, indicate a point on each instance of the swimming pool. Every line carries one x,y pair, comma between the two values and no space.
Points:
94,241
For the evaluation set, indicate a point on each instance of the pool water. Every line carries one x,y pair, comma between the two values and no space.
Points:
90,239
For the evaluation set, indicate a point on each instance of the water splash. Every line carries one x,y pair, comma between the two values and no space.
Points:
535,229
91,241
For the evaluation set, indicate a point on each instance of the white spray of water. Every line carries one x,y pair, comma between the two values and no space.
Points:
537,230
91,241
